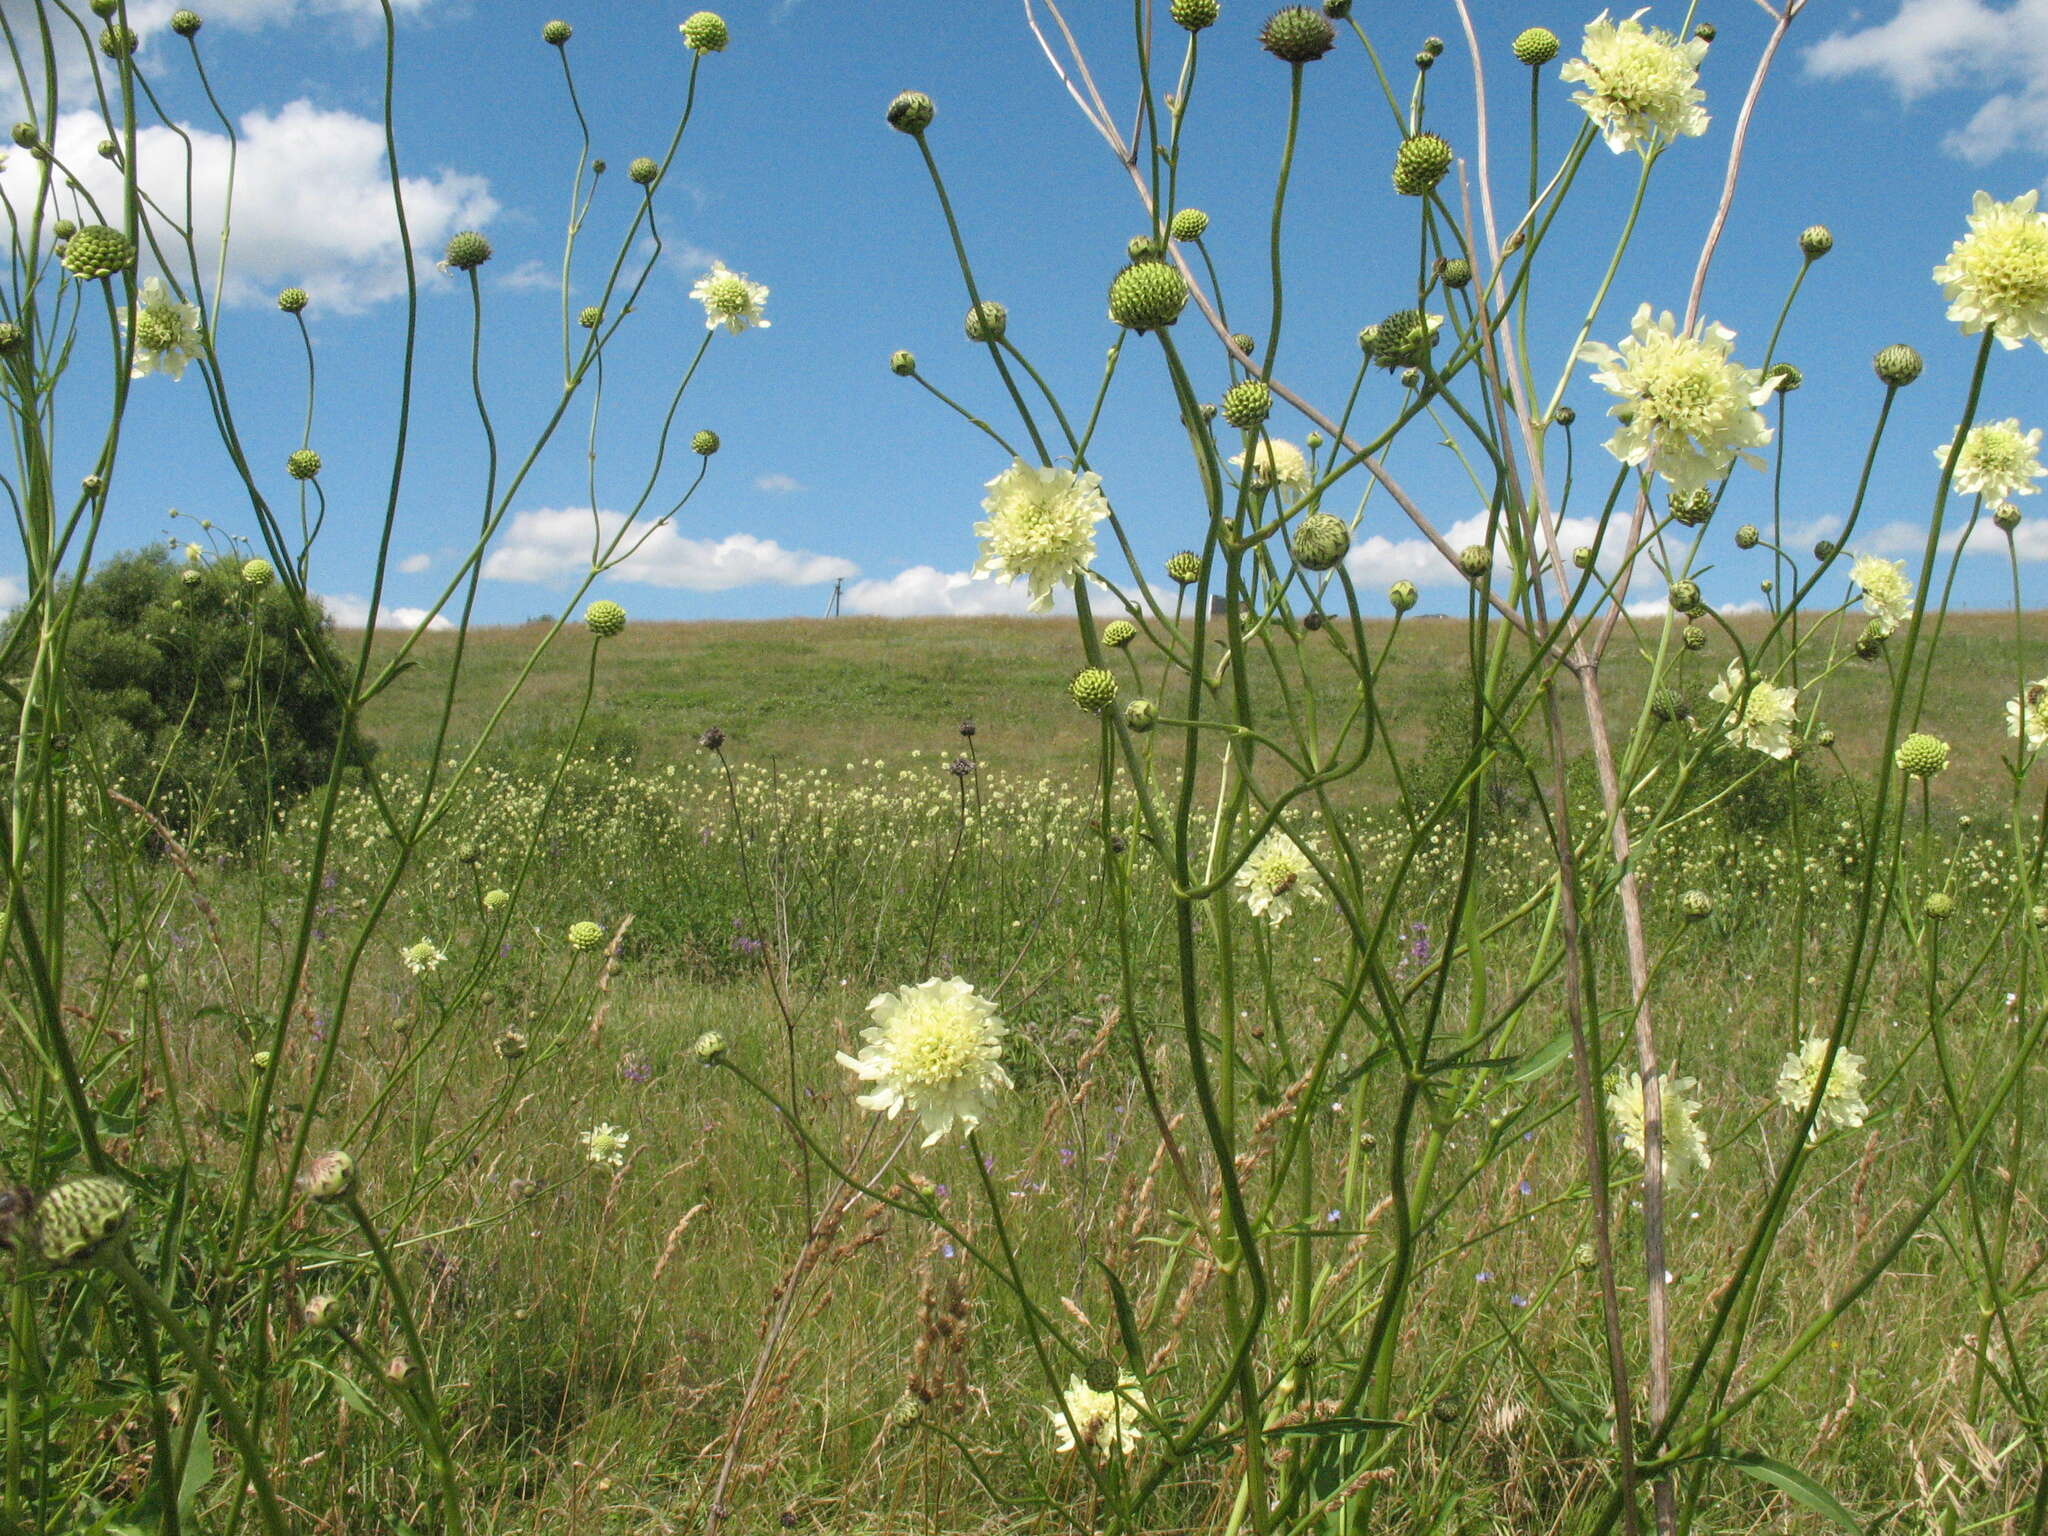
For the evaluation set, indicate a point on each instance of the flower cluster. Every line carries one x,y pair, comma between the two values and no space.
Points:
1275,875
1764,716
1040,526
1996,277
1841,1100
1107,1421
1997,460
1685,1148
1686,411
935,1049
1640,83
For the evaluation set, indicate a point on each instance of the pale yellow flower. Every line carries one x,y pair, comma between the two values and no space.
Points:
1108,1421
730,300
1765,716
1996,276
1685,1148
1640,83
167,333
1887,595
1275,876
606,1143
1686,411
1275,461
935,1049
1040,526
1998,460
2029,712
1841,1102
423,957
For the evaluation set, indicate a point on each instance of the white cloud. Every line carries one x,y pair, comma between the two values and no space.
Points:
1942,44
312,200
551,543
531,275
348,610
778,483
925,589
12,591
147,16
1893,539
1377,561
412,565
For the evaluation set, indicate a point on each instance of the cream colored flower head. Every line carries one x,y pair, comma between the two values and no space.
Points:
1275,461
1275,876
1040,526
1887,595
423,957
1996,276
934,1049
730,300
1107,1421
2029,713
1841,1102
606,1143
1998,460
1686,411
1640,82
1765,716
1685,1148
166,332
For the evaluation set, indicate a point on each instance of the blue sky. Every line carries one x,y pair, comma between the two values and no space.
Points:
1879,122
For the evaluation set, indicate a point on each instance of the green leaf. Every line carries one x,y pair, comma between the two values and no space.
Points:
1541,1060
1796,1486
1126,1318
198,1471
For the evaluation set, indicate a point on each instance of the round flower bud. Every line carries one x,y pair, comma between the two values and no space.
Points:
903,364
1815,241
80,1217
1696,905
1403,596
712,739
1564,415
1420,163
292,300
190,578
605,618
64,229
1208,411
1147,295
1694,638
1313,441
1140,248
1747,537
986,321
1321,541
322,1312
911,112
709,1047
1692,508
1787,377
1402,340
1456,272
1101,1374
1668,705
257,573
1939,906
1194,15
556,33
1824,738
1475,560
1869,645
107,149
1184,568
1189,224
119,42
1897,365
302,464
512,1045
1425,61
98,252
643,171
1433,46
704,32
467,251
1141,715
1368,336
704,442
1582,557
186,23
329,1176
1706,32
1118,633
1684,596
1921,756
25,135
92,485
1336,10
1297,35
590,317
105,8
1535,46
497,900
1244,341
2006,516
1093,689
1247,404
1824,550
585,937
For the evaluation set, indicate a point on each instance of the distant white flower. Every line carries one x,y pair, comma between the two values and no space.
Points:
606,1143
1766,714
1887,595
1275,876
1640,82
1998,460
1106,1420
1841,1102
423,957
1040,526
2029,712
166,332
935,1049
730,300
1997,275
1686,411
1685,1149
1275,461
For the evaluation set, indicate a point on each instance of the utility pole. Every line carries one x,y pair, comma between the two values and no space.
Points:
832,607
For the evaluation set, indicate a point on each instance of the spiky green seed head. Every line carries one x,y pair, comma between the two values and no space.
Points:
986,321
903,364
1184,568
1696,905
1189,224
1939,906
186,23
1785,376
1747,536
1897,365
512,1045
1456,273
1118,633
497,899
1321,542
585,937
604,618
911,112
1402,596
1564,415
1694,638
1147,296
330,1176
590,317
467,251
704,442
257,574
1403,339
81,1217
292,300
1535,46
1684,597
1248,403
302,464
2006,517
1101,1374
1668,705
644,171
709,1047
1141,715
1093,689
1582,557
1297,35
705,32
1420,163
119,42
1921,756
1815,241
98,252
1195,15
1475,560
557,33
1692,508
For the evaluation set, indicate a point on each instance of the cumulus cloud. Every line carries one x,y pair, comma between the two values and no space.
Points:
1377,561
1932,45
552,543
927,590
412,565
150,15
777,483
349,611
12,591
1902,538
312,200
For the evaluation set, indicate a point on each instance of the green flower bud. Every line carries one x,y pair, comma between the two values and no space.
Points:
467,251
1247,404
1787,377
1140,248
1147,296
1564,415
1194,15
604,618
2039,915
704,442
1433,46
1244,341
903,364
80,1217
1705,32
1403,596
1101,1374
709,1047
1668,705
1692,508
1420,163
1582,557
2005,516
1694,638
1093,689
1939,906
1337,10
302,464
1897,365
496,900
322,1312
1747,537
107,149
1696,905
1321,542
1921,756
1824,550
1815,241
186,23
1118,633
590,317
1189,224
1140,715
64,229
119,42
911,112
1684,596
986,321
1535,46
1475,560
1184,568
191,578
328,1177
257,573
643,171
25,135
1297,35
98,252
1456,272
585,937
292,300
556,33
704,32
